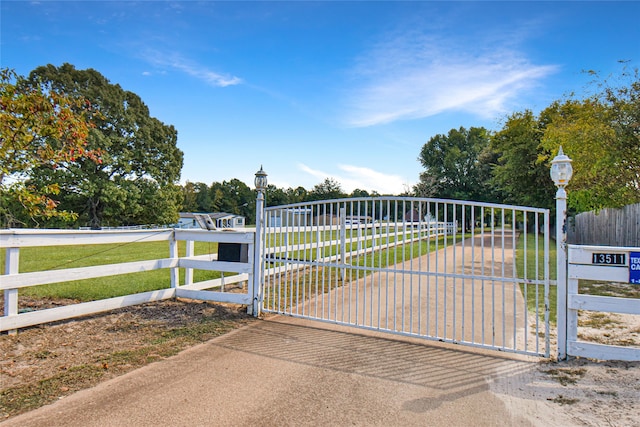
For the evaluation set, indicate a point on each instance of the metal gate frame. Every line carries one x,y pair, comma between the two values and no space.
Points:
437,269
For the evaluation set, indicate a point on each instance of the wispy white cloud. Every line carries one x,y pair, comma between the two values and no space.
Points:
178,62
317,174
415,76
352,177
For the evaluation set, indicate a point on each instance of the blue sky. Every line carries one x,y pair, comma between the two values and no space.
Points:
313,90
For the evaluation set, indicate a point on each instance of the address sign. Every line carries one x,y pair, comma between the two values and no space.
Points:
609,259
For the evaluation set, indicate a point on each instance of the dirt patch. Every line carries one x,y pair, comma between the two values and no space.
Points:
579,391
592,392
44,363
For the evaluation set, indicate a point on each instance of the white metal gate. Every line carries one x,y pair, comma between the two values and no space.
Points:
454,271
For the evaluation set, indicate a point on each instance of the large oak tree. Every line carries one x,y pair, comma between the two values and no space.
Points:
457,166
40,128
136,183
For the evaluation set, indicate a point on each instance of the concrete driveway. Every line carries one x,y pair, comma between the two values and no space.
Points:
285,372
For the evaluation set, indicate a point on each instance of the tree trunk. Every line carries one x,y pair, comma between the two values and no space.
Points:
96,209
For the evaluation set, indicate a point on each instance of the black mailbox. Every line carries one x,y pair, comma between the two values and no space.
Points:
233,252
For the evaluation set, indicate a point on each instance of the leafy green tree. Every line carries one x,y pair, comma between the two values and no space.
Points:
454,166
602,136
276,196
150,203
189,201
140,158
40,128
359,193
521,172
233,196
216,192
326,190
296,195
203,200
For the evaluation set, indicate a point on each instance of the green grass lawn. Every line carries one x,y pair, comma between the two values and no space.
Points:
533,271
63,257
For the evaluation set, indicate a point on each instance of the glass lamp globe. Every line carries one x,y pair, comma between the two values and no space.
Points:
261,180
561,169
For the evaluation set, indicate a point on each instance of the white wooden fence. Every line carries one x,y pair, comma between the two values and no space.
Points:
13,279
610,264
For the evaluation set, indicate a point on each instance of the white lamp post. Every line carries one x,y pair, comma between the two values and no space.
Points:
561,173
261,185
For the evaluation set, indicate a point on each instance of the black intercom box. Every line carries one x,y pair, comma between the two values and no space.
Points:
233,252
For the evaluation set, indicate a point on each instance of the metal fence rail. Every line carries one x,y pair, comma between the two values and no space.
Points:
439,269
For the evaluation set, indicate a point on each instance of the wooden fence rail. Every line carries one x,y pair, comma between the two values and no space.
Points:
581,266
13,279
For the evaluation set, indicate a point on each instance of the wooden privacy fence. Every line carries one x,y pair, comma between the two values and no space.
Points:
610,227
13,279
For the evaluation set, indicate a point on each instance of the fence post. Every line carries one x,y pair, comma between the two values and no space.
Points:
261,185
12,266
561,259
561,172
173,253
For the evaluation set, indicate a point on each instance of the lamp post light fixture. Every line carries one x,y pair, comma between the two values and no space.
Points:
561,169
561,173
261,180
